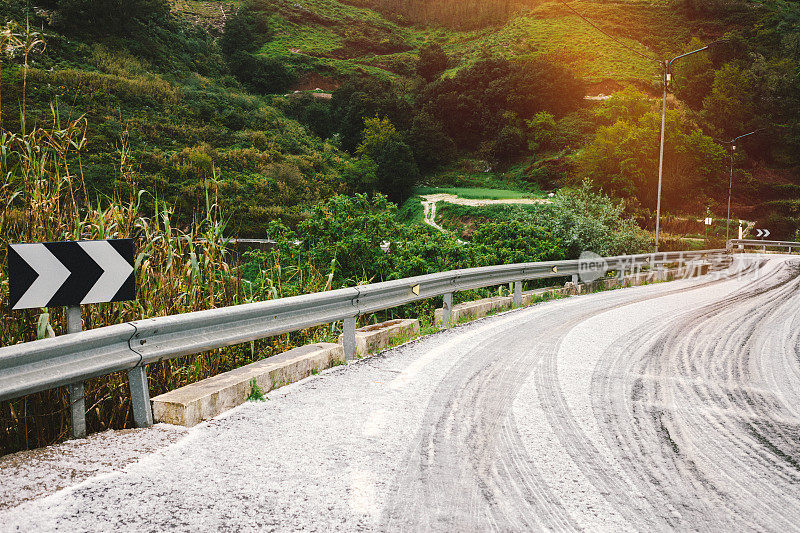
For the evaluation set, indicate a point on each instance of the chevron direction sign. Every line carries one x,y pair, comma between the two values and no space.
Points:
762,233
54,274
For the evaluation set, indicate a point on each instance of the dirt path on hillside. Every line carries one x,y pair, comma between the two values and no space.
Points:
429,204
430,215
453,199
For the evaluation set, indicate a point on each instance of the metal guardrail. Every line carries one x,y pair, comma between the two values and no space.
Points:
751,244
69,359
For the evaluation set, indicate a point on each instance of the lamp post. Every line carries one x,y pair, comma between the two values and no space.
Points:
732,143
667,66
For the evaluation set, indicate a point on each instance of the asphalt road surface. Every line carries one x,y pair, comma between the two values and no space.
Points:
668,406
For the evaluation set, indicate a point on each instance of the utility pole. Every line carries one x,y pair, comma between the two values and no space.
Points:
667,76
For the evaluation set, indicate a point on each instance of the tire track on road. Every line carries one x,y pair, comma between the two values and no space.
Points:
469,438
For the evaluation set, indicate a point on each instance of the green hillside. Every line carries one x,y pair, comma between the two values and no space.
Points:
335,38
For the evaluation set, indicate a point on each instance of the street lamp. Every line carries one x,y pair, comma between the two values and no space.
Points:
667,65
732,142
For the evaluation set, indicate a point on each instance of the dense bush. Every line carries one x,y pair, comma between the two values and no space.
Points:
245,31
431,145
583,220
516,241
264,75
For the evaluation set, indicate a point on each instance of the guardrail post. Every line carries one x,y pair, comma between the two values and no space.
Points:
77,402
447,309
140,397
576,283
349,338
517,294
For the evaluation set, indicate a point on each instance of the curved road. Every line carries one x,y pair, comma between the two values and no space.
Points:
668,406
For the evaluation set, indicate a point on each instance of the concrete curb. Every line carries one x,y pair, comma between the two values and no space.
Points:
467,311
374,338
192,404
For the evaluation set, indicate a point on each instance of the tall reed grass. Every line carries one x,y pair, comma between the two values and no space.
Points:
43,197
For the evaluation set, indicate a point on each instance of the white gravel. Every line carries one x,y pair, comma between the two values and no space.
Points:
669,406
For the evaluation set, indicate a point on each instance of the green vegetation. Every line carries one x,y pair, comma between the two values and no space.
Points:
162,93
621,158
256,394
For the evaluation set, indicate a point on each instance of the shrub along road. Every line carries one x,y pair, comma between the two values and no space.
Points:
673,405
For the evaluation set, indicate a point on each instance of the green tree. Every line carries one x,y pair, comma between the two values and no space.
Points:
511,142
730,107
623,160
396,171
240,34
265,75
472,105
628,105
360,98
432,147
432,61
694,76
110,17
544,131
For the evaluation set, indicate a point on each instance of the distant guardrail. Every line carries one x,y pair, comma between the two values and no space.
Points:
69,359
757,244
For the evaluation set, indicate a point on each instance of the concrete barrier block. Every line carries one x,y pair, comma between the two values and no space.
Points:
374,338
467,311
190,405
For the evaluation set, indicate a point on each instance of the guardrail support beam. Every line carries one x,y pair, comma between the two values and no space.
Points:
447,310
140,397
517,294
77,410
349,338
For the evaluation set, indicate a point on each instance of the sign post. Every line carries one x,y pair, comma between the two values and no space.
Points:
77,404
70,274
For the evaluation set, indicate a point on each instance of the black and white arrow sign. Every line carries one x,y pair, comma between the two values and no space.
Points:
762,233
56,274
